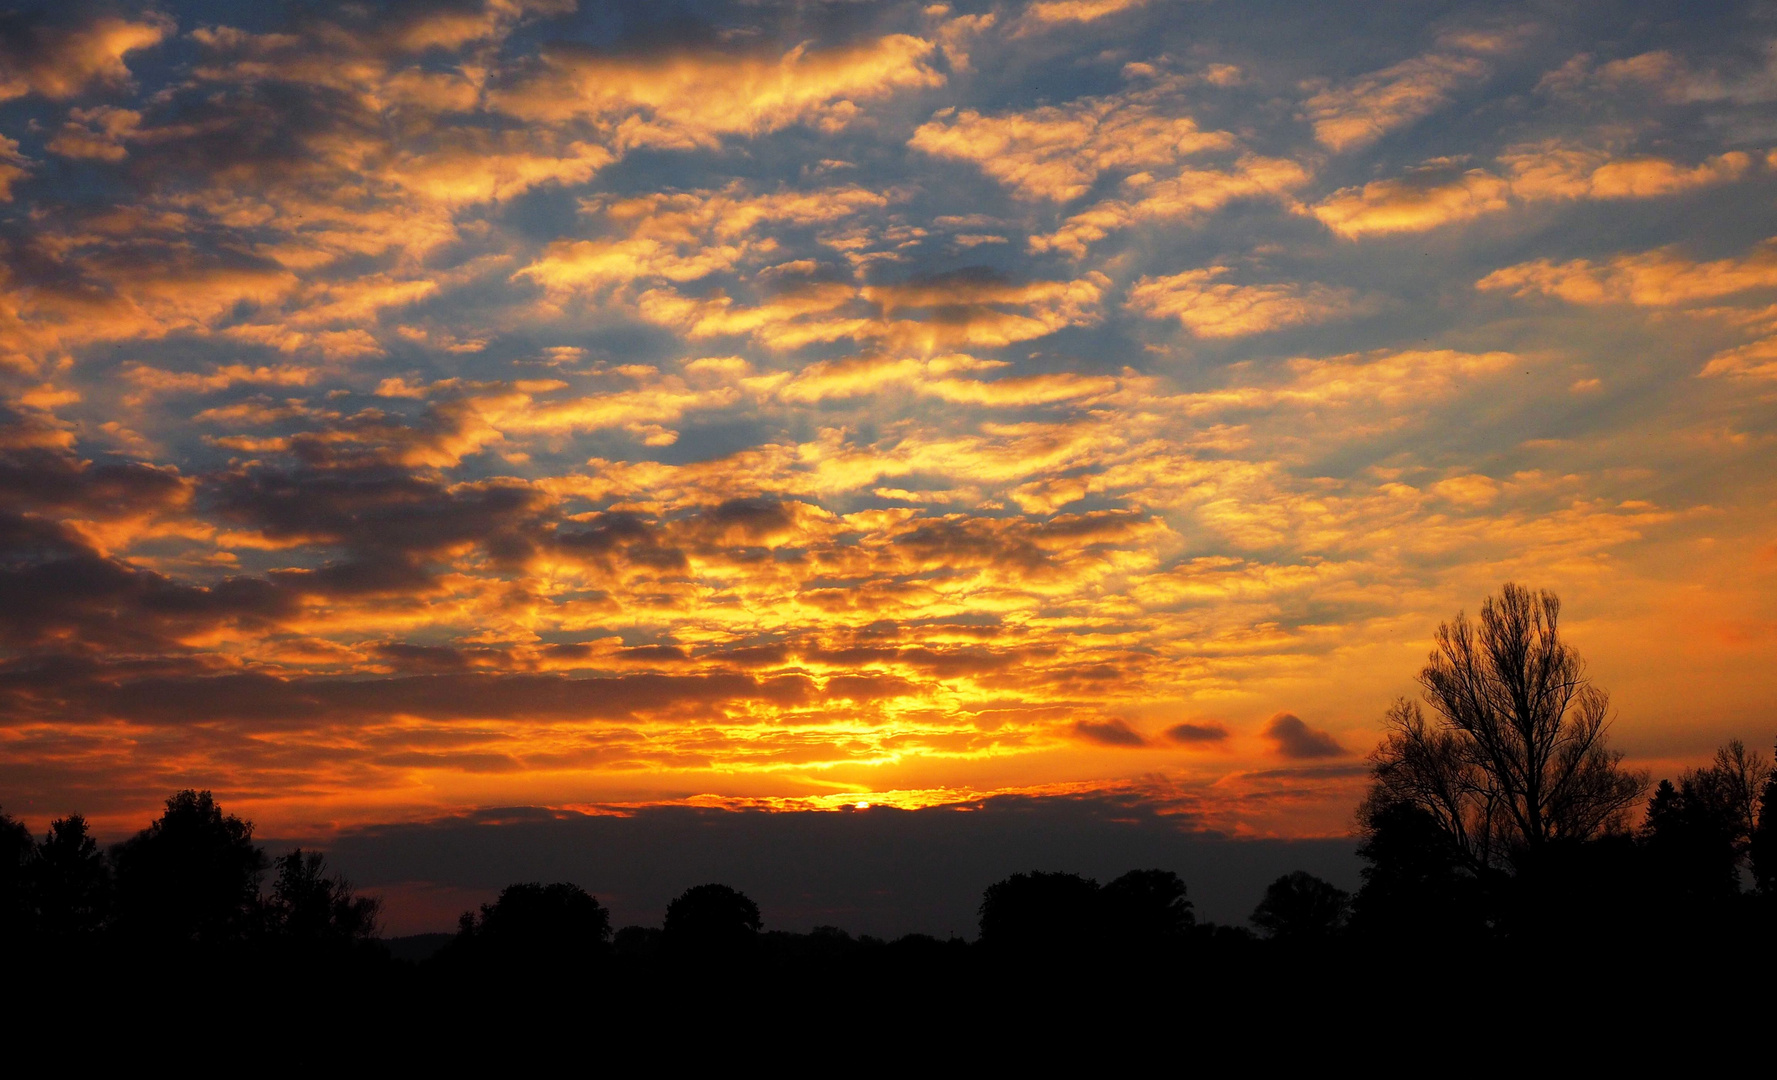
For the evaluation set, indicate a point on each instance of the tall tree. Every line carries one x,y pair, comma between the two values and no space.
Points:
1516,757
1763,845
191,876
15,857
70,884
313,909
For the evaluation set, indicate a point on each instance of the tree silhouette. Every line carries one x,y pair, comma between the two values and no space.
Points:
1417,885
557,927
310,909
1762,845
191,876
1732,786
1040,913
1690,833
1300,908
70,884
15,857
1518,756
1698,833
1146,908
711,920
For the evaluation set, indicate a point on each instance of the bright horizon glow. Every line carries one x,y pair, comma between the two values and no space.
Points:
419,408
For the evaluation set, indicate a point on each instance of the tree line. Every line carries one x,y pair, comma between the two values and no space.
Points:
1499,820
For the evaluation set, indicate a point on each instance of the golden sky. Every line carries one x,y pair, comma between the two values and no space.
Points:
412,408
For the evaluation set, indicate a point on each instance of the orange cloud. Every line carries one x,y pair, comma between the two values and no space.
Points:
1188,195
97,133
1078,11
1057,152
65,61
1433,197
1757,360
1360,112
1209,308
686,236
1438,194
1555,170
692,99
14,167
1658,278
954,311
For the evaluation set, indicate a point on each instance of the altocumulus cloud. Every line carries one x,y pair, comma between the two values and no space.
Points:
406,408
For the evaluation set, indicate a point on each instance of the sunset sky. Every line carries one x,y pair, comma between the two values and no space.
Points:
410,409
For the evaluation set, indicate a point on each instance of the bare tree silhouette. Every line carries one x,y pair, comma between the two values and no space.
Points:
1762,848
1517,756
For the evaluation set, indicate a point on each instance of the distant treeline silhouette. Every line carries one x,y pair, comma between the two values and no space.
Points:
1498,825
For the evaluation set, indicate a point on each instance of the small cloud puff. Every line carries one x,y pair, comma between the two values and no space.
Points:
1295,739
1112,732
1196,733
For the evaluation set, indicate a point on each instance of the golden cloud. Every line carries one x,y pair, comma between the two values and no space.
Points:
1058,152
1210,308
1437,194
62,62
692,99
1360,112
1659,278
1078,11
1428,200
1187,195
686,236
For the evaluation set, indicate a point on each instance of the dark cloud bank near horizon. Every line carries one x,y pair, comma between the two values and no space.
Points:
883,870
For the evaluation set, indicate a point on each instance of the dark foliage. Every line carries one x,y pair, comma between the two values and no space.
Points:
192,876
1301,909
1762,844
1417,885
1145,908
310,910
15,857
1040,913
711,921
537,926
69,882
